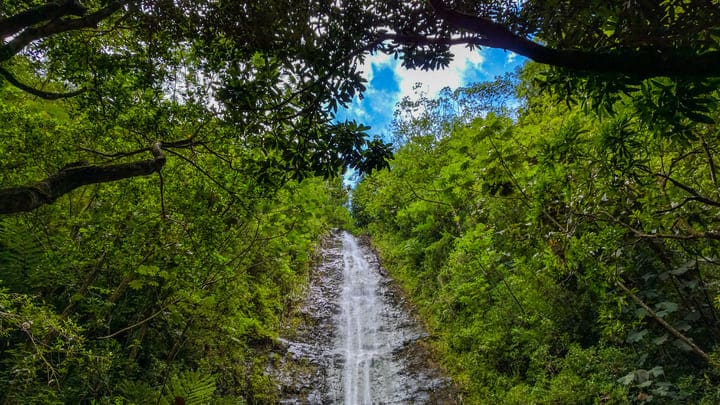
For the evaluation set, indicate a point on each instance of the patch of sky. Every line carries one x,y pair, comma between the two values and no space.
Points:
384,77
389,82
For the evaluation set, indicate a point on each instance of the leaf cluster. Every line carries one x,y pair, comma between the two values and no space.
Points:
150,288
562,254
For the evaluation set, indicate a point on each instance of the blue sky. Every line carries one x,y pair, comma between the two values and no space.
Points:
388,82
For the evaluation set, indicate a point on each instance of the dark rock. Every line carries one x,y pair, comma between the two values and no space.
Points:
313,366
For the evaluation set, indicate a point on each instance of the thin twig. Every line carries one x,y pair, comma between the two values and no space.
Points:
697,350
641,234
135,325
204,172
711,161
688,189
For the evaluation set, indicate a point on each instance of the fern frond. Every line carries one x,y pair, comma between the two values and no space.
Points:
20,252
195,387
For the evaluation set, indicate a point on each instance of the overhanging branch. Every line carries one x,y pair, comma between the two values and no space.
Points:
27,198
50,11
47,95
412,39
57,26
639,63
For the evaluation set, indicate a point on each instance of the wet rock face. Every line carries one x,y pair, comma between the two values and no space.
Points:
357,344
303,369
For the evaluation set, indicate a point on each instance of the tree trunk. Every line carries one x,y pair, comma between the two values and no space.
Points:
27,198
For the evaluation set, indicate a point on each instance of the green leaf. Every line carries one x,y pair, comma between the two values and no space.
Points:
665,308
657,371
148,270
660,340
682,345
684,268
645,384
636,336
628,379
642,376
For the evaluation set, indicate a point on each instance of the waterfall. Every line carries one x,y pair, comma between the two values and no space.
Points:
360,329
362,343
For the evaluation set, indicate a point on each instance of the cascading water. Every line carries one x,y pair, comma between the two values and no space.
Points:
366,338
359,341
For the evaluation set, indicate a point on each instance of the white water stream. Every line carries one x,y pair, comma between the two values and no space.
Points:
360,342
365,335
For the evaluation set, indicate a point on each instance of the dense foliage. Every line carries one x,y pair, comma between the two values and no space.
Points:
145,289
168,76
559,254
122,288
555,253
191,77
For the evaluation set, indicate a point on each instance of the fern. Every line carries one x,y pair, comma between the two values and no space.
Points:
10,258
137,392
19,254
195,387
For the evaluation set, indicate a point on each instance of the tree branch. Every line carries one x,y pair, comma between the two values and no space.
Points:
677,206
27,198
50,11
693,234
136,324
40,93
695,195
640,63
56,27
697,350
414,39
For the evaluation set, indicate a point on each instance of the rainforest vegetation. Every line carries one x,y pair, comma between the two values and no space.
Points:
167,167
559,254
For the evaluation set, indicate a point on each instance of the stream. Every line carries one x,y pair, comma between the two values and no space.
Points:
357,341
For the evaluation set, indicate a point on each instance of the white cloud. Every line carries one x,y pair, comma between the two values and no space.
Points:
377,106
432,81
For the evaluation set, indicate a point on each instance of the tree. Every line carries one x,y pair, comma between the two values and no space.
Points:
558,255
125,290
271,75
664,55
642,39
183,76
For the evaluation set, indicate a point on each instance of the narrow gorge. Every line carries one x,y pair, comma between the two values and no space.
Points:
356,341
